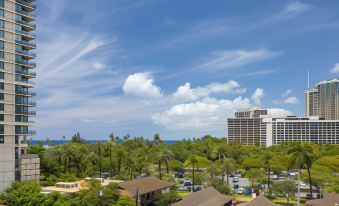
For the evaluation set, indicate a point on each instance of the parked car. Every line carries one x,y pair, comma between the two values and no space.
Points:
187,183
235,179
197,188
180,175
308,196
240,191
236,186
232,175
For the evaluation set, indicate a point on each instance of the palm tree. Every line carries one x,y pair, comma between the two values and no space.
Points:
268,157
302,154
146,155
212,170
130,165
111,137
98,145
192,161
92,157
120,154
110,145
228,167
67,156
220,153
156,139
166,155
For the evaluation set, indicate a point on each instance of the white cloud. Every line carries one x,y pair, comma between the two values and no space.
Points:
291,100
185,91
209,113
277,112
286,98
296,8
335,69
257,96
98,65
141,84
286,93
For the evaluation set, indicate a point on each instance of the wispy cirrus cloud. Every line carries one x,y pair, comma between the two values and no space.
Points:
221,60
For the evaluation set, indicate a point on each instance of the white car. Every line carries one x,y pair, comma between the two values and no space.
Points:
240,191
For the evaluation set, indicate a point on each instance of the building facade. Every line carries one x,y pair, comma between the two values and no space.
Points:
16,97
268,131
247,127
323,100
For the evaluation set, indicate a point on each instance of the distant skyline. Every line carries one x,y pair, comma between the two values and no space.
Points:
177,68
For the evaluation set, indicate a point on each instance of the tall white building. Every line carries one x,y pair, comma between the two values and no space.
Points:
323,100
16,64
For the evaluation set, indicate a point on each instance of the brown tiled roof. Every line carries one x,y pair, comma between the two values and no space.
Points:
330,199
205,197
261,201
144,185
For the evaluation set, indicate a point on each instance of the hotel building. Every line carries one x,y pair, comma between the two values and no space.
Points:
323,100
267,131
16,44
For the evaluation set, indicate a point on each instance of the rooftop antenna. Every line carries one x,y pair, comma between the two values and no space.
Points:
308,79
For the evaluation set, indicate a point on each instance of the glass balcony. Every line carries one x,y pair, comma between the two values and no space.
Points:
26,13
25,132
28,103
26,33
26,3
26,43
25,62
25,81
33,113
25,72
27,53
26,23
25,92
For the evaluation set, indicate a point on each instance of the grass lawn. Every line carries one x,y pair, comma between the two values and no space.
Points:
183,193
279,201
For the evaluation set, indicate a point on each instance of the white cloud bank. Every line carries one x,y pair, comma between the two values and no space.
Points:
141,84
207,113
185,92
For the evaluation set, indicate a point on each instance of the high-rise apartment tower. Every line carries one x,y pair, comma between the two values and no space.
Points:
323,100
16,44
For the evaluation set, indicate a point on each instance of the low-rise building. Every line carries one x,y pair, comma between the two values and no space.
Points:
329,199
205,197
258,201
263,130
145,189
73,188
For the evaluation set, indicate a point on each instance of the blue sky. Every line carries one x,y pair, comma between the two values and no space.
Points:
179,68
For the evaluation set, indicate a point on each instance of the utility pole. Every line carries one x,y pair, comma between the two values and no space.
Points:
137,197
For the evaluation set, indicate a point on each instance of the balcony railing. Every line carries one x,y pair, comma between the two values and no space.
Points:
27,53
26,112
25,93
26,23
25,72
25,81
28,103
26,122
26,33
26,13
25,132
26,3
27,43
25,62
